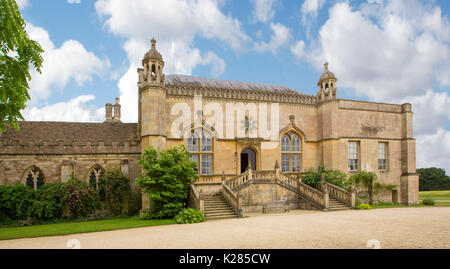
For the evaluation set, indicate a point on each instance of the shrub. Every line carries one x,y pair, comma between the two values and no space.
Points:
364,206
189,215
115,187
15,202
167,176
364,179
81,199
48,203
428,202
335,177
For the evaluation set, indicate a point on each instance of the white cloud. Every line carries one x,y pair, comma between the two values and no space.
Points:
263,10
175,25
299,49
310,10
431,112
73,1
280,37
61,65
76,110
396,52
400,56
23,3
434,150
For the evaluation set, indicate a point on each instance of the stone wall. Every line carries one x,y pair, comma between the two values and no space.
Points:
59,168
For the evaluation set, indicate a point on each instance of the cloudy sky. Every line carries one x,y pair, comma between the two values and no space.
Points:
384,51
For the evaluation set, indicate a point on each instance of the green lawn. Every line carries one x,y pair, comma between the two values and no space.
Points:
79,227
436,196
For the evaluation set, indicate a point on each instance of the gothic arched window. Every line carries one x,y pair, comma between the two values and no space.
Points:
34,178
94,175
290,152
201,150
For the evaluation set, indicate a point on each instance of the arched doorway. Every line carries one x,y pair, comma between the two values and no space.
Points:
248,156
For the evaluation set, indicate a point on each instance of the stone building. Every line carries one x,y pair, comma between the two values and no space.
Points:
251,141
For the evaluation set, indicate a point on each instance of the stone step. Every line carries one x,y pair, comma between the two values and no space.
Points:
220,217
217,203
218,207
228,214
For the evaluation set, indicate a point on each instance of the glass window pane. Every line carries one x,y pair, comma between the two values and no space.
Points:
285,163
30,182
206,165
285,144
296,163
206,143
93,179
295,143
39,181
194,158
193,142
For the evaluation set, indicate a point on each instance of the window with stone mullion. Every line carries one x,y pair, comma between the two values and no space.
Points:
201,150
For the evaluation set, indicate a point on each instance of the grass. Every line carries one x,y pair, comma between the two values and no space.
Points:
437,196
79,227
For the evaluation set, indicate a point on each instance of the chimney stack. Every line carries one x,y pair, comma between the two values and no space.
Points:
108,112
116,117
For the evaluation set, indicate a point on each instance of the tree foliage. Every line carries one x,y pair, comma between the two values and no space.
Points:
17,52
433,179
335,177
365,179
167,176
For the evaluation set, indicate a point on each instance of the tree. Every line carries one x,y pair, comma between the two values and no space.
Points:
17,52
367,180
433,179
166,178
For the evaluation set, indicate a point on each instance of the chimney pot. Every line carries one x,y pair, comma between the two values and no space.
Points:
108,112
116,117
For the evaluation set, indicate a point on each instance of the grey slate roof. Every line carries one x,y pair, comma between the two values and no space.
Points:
69,137
228,84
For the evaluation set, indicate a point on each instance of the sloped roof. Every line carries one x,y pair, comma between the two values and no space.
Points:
73,134
192,81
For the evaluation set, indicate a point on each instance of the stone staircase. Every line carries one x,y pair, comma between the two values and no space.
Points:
337,205
216,207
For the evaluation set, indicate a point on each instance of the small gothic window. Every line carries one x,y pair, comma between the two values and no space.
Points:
153,69
34,178
94,176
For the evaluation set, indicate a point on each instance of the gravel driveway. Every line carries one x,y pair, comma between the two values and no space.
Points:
392,227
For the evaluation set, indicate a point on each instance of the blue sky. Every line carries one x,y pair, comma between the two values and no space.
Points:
383,51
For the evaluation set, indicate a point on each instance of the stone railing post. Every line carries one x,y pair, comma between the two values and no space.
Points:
239,204
249,170
326,199
277,170
201,202
223,176
353,196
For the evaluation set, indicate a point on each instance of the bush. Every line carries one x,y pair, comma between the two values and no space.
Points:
15,202
312,177
116,188
81,199
166,179
189,215
428,202
48,203
364,206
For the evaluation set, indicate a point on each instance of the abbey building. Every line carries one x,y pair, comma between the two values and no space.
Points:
238,133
